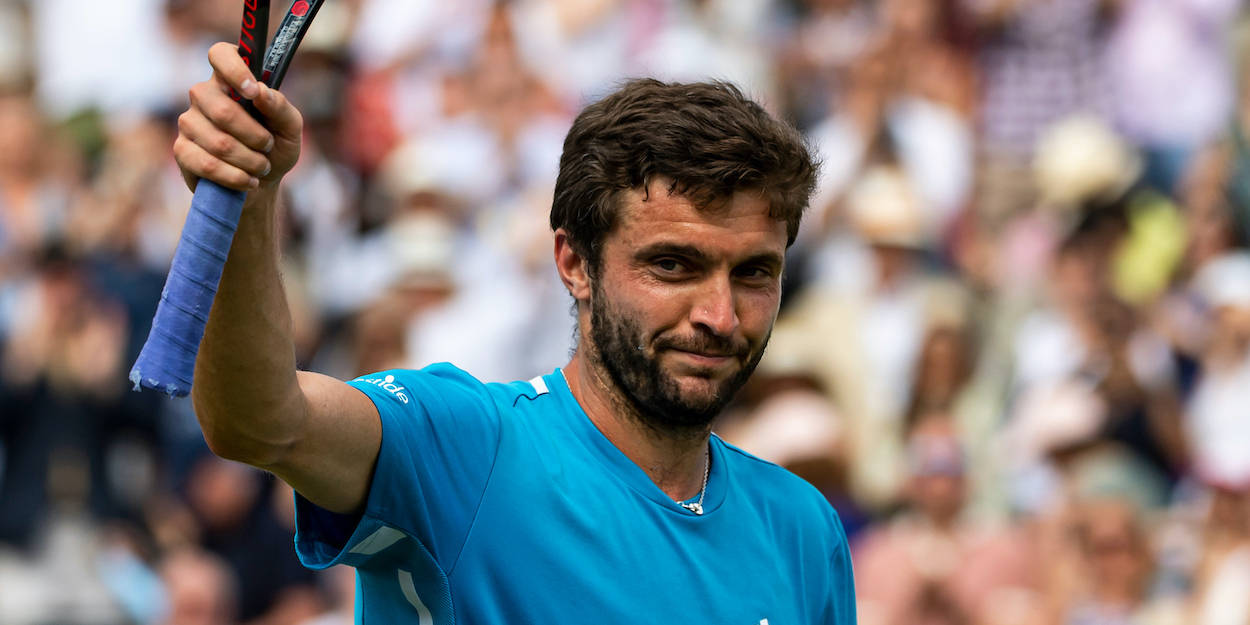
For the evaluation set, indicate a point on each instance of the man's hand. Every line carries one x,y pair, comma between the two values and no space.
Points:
219,141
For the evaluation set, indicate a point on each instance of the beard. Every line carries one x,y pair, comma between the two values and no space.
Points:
621,349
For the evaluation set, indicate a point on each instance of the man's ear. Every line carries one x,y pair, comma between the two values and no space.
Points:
572,268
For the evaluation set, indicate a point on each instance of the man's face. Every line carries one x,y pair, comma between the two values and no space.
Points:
684,301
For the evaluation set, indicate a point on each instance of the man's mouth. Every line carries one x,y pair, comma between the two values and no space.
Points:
706,359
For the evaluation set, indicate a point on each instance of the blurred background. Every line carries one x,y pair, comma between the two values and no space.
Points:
1014,351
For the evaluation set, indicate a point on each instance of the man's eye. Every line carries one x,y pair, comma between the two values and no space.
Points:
755,273
668,265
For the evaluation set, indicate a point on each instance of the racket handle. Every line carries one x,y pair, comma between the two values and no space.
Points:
167,361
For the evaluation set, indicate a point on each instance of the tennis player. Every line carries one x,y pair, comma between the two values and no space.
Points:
593,494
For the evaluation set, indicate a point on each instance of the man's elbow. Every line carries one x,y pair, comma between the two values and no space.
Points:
230,445
228,437
223,444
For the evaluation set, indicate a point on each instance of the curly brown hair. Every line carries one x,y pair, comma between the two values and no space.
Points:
707,138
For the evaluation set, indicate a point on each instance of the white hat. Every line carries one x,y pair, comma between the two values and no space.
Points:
331,32
790,426
460,161
1225,281
1050,417
884,208
422,248
1080,158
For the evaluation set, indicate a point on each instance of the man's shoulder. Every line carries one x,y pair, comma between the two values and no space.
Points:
755,471
446,382
770,484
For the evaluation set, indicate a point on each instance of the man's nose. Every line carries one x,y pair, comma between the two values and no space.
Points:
714,307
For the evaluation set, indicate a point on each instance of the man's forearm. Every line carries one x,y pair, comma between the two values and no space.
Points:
245,391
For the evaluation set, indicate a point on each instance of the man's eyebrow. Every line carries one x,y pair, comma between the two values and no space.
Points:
771,259
670,249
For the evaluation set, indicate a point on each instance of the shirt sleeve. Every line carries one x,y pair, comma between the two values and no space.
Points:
840,609
440,436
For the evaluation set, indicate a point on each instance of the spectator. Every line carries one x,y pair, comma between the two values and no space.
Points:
237,525
1040,62
200,589
869,324
1224,565
1106,569
1217,430
930,564
1171,79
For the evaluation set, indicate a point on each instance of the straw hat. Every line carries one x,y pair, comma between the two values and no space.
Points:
1079,159
885,210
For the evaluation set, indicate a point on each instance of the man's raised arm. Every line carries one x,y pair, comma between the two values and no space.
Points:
315,432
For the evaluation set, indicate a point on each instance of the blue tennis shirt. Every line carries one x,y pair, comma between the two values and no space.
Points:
504,504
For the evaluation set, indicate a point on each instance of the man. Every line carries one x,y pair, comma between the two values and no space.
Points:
595,493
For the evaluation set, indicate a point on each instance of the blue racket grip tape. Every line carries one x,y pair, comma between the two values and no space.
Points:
167,361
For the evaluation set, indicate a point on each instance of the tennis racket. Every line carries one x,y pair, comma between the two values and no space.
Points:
167,361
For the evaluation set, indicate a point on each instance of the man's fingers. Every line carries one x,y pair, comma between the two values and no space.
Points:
226,114
229,68
220,141
225,147
283,118
196,162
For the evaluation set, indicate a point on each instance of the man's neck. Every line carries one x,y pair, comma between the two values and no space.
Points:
676,463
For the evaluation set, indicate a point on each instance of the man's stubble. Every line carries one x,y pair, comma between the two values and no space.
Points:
654,397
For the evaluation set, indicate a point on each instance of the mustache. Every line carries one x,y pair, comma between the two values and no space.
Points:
705,344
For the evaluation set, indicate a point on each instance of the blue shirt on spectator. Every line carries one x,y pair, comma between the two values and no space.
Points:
503,503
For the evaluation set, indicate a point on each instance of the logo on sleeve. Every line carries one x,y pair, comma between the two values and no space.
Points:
387,384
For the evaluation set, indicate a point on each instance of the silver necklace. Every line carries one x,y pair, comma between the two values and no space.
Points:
697,506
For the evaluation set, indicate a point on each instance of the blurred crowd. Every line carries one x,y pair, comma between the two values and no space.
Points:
1014,349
